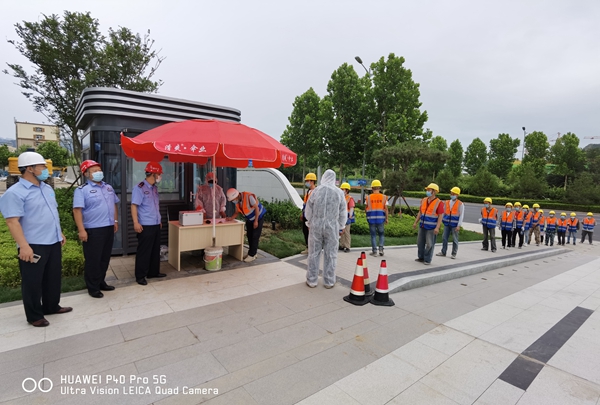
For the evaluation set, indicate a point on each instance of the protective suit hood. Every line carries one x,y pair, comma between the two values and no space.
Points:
328,179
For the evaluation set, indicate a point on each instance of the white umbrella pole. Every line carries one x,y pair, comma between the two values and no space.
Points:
214,214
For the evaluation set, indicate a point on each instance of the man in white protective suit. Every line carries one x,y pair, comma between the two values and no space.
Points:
326,217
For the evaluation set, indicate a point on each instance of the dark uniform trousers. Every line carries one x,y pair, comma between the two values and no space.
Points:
41,282
147,257
253,235
97,252
305,230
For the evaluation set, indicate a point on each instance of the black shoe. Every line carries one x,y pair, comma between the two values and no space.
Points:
107,287
493,250
419,260
484,249
142,281
96,294
159,275
346,250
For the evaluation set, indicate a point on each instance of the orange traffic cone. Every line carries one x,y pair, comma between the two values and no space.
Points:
368,291
357,290
381,296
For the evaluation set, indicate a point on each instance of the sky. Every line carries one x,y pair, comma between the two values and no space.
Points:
484,67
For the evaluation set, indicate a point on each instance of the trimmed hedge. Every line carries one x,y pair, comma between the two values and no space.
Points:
544,204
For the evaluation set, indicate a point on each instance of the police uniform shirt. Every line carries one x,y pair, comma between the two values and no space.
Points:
36,208
97,201
145,196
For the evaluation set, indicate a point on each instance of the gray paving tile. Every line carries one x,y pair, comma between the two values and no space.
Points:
250,351
236,322
39,354
105,358
347,316
298,317
309,376
161,323
444,312
237,396
12,383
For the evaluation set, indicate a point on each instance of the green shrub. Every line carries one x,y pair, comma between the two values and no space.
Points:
64,198
285,213
73,261
397,227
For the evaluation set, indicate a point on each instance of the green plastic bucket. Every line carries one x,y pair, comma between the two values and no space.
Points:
213,258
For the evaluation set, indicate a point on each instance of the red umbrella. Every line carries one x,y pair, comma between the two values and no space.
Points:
229,144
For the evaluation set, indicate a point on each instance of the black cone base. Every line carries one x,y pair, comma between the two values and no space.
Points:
382,299
368,291
357,300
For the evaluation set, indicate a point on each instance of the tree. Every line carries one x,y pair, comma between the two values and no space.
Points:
455,161
53,151
567,156
302,134
350,101
536,147
70,54
398,115
584,191
526,183
432,168
475,156
484,183
502,155
400,159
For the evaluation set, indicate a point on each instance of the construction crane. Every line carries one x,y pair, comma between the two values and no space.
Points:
591,137
556,138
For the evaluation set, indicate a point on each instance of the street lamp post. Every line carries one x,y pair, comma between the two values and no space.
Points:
362,187
523,151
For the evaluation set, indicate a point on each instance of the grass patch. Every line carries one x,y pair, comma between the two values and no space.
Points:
69,283
284,243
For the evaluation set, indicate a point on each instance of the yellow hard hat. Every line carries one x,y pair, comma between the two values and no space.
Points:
542,211
375,183
508,204
590,214
563,214
573,214
455,190
536,205
551,212
487,200
345,186
517,204
526,207
433,186
310,176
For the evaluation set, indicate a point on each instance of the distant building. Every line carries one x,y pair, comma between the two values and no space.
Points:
34,135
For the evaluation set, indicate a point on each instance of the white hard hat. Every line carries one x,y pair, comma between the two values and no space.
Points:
232,194
30,159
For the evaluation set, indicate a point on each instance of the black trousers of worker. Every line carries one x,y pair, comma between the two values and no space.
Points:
97,252
588,234
253,235
514,237
41,282
147,257
305,230
561,237
506,238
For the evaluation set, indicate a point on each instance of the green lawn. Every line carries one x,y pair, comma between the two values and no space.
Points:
291,242
69,283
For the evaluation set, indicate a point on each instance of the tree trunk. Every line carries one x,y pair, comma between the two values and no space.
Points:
341,172
566,177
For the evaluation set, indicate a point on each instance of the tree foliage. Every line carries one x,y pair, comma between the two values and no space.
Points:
53,151
502,155
475,156
567,156
536,152
302,134
69,54
399,160
455,161
525,183
398,117
4,155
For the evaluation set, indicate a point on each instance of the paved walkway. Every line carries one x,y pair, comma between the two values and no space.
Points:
258,335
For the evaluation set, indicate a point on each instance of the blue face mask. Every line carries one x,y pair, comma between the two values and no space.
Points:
97,177
508,210
487,206
307,184
210,184
428,193
518,208
44,175
453,197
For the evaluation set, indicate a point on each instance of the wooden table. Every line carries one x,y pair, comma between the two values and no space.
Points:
194,237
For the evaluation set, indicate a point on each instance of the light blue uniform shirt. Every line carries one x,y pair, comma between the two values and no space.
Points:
97,201
145,196
36,209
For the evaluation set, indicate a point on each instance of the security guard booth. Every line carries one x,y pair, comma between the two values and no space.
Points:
103,113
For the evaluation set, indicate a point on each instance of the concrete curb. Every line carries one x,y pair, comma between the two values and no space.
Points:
421,280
